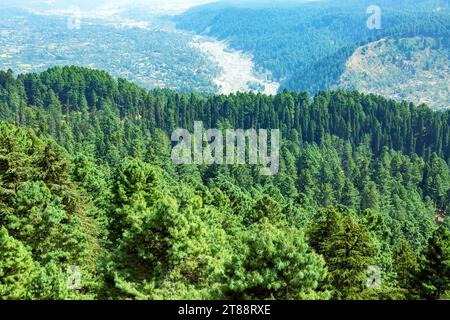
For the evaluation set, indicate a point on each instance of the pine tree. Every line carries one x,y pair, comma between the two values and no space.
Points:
17,268
434,276
348,251
406,265
370,197
274,263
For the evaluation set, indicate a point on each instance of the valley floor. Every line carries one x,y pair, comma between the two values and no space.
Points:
238,69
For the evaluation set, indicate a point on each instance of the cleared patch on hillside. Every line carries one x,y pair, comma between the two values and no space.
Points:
412,69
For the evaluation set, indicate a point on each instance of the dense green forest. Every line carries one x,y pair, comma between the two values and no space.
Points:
306,45
86,180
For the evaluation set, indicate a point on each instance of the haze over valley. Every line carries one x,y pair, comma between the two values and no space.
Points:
210,46
146,49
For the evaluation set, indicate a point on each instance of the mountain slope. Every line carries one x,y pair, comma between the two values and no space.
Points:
306,46
148,52
412,69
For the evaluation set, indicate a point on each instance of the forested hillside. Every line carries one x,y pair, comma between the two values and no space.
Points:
412,69
306,45
86,180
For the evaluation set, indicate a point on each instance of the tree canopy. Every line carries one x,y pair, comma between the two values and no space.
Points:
87,184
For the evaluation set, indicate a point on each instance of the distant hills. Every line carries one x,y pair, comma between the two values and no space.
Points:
308,45
300,45
413,69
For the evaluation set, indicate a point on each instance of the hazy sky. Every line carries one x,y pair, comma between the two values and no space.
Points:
157,6
110,7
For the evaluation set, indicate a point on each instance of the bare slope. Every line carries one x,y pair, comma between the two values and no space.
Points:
413,69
